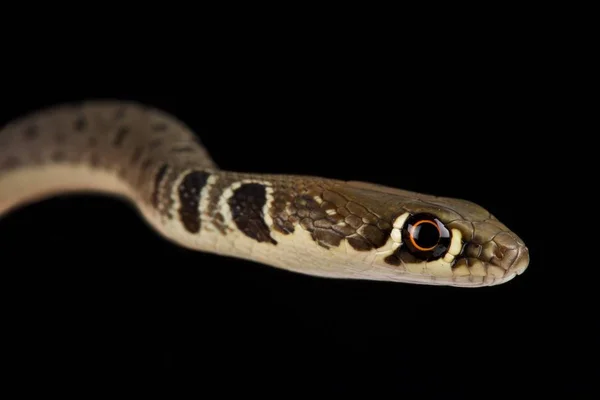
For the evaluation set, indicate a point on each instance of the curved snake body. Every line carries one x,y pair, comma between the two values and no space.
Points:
311,225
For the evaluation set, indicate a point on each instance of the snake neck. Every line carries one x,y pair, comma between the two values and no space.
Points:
154,161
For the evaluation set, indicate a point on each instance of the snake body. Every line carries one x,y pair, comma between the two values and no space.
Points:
311,225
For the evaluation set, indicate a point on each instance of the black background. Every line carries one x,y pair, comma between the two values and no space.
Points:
92,295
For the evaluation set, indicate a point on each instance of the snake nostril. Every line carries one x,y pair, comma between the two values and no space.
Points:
506,250
500,253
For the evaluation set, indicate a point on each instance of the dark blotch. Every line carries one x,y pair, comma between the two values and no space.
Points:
189,197
246,206
359,243
393,259
121,134
157,180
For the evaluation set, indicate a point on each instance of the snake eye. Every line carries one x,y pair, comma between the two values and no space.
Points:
426,237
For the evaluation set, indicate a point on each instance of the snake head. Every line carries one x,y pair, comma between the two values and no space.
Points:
440,241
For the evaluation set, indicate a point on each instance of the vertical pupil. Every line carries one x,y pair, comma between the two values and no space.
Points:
426,235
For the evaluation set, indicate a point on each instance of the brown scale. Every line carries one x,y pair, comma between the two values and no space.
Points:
281,219
362,229
214,195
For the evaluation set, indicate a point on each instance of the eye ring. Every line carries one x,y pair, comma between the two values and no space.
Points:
413,228
426,237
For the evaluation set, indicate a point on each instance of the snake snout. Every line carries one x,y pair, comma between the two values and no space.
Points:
510,254
521,262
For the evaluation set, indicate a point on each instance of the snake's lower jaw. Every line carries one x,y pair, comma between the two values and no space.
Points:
469,272
496,260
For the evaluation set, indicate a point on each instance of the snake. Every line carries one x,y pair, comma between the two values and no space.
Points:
320,227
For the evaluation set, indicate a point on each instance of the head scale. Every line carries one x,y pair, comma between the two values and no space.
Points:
440,241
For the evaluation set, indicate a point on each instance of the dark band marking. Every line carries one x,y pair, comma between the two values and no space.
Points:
157,181
189,198
92,141
121,133
246,206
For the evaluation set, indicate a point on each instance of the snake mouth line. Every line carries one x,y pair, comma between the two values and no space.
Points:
480,281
